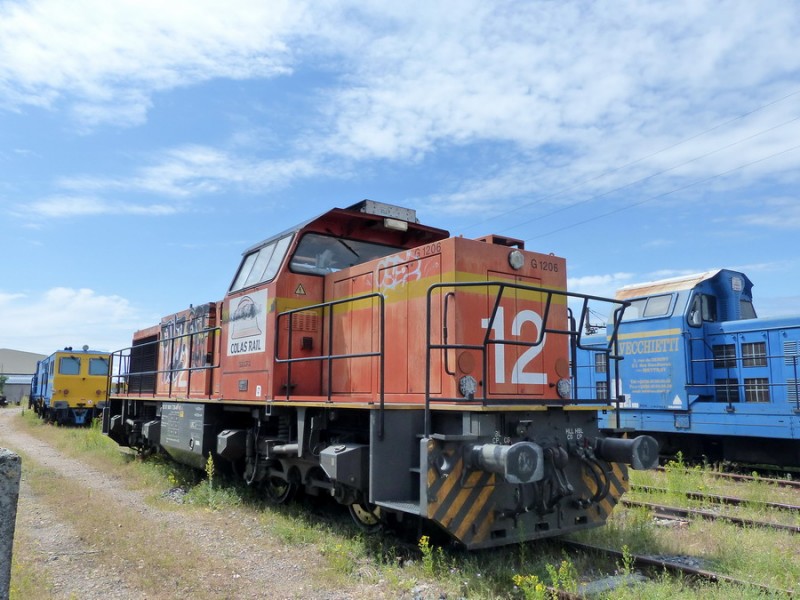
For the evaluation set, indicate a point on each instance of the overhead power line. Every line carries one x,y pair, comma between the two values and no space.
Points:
656,197
611,171
653,175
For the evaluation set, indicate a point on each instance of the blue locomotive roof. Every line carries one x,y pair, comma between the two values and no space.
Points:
731,292
738,280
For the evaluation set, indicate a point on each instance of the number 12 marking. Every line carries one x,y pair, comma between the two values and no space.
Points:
518,373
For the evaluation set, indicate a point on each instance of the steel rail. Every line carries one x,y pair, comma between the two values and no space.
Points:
789,483
729,500
688,513
662,564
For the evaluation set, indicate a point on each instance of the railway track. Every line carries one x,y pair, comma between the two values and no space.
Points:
674,512
786,483
673,565
718,499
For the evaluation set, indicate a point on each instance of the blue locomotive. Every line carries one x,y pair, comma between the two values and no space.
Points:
700,371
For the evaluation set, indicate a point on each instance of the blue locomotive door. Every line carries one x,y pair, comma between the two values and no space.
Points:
699,354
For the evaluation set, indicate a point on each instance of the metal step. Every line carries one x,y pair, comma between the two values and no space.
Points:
401,506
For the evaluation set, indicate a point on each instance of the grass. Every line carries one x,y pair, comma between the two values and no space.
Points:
751,554
518,571
677,480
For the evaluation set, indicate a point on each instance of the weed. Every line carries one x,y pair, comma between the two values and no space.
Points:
210,470
565,578
427,555
532,588
626,568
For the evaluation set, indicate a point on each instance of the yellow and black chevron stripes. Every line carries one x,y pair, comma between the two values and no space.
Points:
462,504
467,504
618,485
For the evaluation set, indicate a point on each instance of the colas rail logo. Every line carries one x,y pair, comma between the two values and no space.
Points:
247,325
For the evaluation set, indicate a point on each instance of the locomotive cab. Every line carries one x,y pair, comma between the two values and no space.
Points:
290,271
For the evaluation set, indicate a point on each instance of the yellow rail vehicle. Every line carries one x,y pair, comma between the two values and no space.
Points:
70,386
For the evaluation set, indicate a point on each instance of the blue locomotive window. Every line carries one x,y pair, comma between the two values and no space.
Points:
635,310
322,254
704,309
657,306
69,365
98,366
724,356
261,265
756,389
600,362
727,390
754,354
647,308
601,390
746,310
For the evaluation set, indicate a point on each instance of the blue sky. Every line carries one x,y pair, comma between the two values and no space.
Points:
144,145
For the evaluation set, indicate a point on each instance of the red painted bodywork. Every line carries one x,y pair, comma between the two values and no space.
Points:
229,350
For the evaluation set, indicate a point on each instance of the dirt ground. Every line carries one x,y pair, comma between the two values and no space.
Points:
241,561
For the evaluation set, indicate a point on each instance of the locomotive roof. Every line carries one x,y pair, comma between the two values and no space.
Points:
368,209
674,284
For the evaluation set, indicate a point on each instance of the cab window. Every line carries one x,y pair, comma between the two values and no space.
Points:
703,310
261,265
69,365
98,366
657,306
746,310
321,254
647,308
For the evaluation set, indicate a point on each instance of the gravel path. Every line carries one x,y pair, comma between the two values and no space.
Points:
242,561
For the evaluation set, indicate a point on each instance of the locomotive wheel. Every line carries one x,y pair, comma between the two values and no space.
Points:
366,516
279,490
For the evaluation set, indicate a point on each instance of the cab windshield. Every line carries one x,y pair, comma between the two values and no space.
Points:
322,254
262,264
647,308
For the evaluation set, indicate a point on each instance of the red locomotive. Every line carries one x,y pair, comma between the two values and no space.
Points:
402,371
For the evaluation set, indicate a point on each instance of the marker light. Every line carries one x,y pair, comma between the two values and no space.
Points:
395,224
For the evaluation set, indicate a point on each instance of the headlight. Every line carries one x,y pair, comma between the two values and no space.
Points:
564,389
516,260
468,386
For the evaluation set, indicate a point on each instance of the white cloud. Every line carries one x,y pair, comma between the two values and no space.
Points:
777,306
569,90
587,87
192,171
604,285
108,58
78,206
179,175
549,73
66,317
